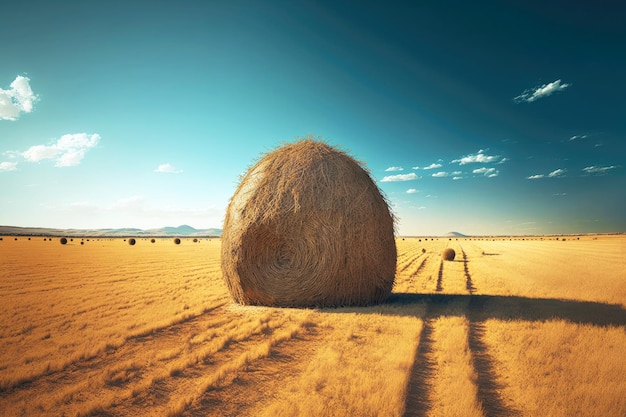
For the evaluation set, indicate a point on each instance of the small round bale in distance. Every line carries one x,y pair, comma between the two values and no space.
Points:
177,241
63,241
131,241
307,226
448,254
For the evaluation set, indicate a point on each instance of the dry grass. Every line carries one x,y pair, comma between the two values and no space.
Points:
510,327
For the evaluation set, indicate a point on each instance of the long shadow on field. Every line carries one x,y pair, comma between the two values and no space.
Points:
480,308
503,307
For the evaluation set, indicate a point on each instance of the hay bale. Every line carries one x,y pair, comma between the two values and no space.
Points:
131,241
152,241
448,254
307,226
63,241
177,241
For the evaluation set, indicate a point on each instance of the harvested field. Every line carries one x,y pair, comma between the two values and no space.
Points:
513,327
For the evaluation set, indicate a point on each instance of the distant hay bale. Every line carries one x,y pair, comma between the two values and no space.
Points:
423,250
177,241
152,241
307,226
131,241
448,254
195,240
63,241
82,243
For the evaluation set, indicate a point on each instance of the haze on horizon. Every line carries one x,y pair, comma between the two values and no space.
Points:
482,118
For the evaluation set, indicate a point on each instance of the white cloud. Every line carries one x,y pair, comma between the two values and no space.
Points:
412,191
400,177
479,157
598,170
557,173
69,150
545,90
168,169
433,166
18,99
535,177
488,172
392,169
576,137
8,166
457,178
441,174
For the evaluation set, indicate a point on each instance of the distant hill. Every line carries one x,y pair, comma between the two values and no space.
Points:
455,234
183,230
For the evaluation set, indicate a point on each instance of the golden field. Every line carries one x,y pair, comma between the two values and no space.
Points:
511,327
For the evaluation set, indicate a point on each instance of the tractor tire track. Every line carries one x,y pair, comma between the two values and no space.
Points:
418,401
485,365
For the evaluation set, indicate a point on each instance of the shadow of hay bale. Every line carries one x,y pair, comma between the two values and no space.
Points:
307,226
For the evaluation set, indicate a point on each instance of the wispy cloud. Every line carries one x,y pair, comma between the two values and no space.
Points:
400,177
479,157
557,173
487,172
167,169
8,166
68,150
19,98
441,174
392,169
598,170
577,137
412,191
433,166
545,90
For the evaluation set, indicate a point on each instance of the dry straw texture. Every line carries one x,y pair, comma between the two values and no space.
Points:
307,226
448,254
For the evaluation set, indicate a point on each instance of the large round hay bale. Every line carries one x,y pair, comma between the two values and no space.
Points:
177,241
63,241
448,254
307,226
131,241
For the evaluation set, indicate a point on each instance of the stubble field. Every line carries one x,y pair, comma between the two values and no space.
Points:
511,327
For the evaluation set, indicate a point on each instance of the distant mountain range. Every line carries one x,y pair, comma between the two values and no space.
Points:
183,230
455,234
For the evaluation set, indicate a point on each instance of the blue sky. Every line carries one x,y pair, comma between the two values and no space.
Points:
482,118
